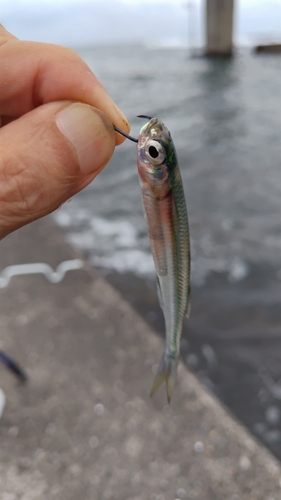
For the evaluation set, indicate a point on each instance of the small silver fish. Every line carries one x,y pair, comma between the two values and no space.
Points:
167,224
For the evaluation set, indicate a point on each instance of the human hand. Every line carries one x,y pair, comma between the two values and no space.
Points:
51,145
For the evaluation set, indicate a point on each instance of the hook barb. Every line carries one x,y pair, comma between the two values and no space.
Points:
124,134
144,116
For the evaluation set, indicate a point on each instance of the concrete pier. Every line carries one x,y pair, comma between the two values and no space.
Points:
84,426
219,27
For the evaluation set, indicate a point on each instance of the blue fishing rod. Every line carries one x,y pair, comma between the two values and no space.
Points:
13,366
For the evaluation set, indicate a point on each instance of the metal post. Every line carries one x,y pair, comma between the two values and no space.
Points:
219,27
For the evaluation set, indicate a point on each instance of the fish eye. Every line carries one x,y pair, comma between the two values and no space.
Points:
154,152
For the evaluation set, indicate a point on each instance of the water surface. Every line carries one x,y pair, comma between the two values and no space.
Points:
225,119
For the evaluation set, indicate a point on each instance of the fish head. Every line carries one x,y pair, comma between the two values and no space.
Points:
156,157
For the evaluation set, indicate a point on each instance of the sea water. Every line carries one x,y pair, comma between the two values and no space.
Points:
225,120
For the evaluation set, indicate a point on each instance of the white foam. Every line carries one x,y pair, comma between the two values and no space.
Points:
123,231
134,260
62,218
239,270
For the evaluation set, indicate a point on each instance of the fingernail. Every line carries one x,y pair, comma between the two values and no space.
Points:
90,132
121,116
111,109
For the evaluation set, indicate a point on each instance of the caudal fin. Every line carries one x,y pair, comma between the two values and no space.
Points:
167,370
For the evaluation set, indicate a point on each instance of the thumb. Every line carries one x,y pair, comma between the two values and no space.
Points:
47,156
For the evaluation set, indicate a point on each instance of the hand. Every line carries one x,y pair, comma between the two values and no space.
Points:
51,145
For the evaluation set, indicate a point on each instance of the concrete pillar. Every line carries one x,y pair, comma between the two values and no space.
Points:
219,27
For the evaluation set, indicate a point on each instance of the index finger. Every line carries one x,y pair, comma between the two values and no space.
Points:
6,33
34,73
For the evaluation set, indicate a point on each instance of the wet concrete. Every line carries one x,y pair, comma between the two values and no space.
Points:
231,341
84,425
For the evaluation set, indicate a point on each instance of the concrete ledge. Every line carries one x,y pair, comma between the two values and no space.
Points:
84,426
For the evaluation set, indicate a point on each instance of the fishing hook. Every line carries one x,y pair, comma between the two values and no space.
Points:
124,134
144,116
127,135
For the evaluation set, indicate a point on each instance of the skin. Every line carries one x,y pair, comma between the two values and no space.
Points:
42,164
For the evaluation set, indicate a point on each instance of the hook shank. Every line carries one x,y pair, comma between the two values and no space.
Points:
124,134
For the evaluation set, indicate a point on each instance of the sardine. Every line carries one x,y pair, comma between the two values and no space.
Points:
167,224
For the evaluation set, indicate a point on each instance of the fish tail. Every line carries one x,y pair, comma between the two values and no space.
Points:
167,370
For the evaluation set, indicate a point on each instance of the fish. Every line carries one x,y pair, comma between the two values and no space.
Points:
166,218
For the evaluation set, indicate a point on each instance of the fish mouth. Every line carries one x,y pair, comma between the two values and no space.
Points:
149,125
155,129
